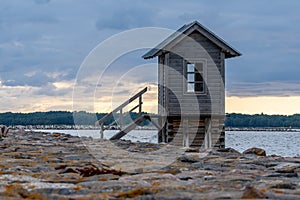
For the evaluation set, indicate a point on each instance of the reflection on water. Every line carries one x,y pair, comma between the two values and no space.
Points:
279,143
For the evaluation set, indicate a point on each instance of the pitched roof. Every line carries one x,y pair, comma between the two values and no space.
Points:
229,51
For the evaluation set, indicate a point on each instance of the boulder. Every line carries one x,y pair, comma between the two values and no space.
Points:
255,151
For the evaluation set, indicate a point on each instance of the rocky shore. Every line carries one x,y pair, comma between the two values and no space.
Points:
59,166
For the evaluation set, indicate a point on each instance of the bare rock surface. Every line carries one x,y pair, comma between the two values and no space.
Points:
59,166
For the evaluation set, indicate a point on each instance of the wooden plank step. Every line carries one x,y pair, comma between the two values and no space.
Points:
129,128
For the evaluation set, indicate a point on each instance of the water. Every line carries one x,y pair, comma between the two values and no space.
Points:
135,135
279,143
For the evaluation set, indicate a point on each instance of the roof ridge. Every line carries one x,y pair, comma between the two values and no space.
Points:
205,31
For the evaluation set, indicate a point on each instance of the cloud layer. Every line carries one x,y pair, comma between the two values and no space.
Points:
44,42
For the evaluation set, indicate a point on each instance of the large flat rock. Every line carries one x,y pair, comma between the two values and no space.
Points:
59,166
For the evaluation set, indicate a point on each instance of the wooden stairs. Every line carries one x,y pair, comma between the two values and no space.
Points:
119,114
130,127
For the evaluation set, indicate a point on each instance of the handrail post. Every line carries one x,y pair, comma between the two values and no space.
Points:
102,130
121,118
140,103
120,110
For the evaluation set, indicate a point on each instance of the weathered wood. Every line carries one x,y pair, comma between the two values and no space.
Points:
101,130
128,128
140,104
121,118
103,119
208,133
135,107
185,133
182,107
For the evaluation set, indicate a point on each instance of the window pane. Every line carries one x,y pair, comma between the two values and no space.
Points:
190,67
190,78
199,67
198,77
190,87
199,87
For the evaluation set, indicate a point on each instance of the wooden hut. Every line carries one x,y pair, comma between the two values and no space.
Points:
191,79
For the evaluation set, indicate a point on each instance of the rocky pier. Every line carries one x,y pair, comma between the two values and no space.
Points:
59,166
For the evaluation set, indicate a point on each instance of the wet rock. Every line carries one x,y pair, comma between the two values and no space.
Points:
229,150
195,174
69,170
288,175
290,186
188,158
286,167
56,134
148,176
77,157
297,171
192,150
252,193
101,177
249,166
280,195
46,166
255,151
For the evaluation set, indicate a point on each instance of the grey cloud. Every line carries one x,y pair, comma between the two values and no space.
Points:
246,89
51,90
49,36
37,79
21,80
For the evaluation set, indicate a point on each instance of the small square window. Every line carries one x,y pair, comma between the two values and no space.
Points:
190,87
191,77
199,67
198,77
195,77
190,67
199,87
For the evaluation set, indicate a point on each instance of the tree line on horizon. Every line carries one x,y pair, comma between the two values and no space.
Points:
262,120
86,118
59,118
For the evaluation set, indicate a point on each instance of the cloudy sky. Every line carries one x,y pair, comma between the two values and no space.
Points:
43,43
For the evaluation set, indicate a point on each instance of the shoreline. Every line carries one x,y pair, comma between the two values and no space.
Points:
57,166
89,127
263,129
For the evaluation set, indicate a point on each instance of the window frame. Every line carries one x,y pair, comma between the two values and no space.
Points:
203,62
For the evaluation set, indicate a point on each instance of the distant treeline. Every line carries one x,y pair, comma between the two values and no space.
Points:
85,118
262,120
58,118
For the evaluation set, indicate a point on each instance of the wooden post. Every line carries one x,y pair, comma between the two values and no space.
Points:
102,130
207,138
140,103
185,132
121,118
160,131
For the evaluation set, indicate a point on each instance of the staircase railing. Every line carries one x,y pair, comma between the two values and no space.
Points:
119,110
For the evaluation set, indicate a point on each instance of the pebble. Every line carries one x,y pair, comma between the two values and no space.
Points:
59,166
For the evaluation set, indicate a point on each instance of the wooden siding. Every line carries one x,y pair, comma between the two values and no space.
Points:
187,122
179,101
197,131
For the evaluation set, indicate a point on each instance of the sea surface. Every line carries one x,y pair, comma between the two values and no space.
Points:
285,144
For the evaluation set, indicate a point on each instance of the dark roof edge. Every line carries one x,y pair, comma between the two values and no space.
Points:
236,52
229,50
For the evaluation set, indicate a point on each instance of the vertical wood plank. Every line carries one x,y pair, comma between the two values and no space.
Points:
207,139
140,105
185,133
121,119
102,130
